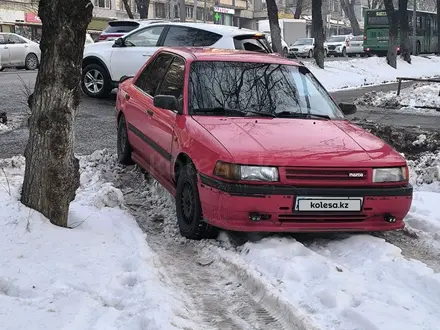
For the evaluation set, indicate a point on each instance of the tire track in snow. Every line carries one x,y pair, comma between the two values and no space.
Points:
224,295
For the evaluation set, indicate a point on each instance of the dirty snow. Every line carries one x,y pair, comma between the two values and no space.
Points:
360,72
419,94
3,128
99,275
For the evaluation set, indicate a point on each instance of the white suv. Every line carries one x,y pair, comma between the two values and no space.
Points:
105,63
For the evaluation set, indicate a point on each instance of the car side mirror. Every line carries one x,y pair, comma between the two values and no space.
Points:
119,43
168,102
348,108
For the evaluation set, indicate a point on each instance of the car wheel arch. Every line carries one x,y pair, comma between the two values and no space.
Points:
182,160
95,60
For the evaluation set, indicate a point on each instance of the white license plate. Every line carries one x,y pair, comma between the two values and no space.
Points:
319,204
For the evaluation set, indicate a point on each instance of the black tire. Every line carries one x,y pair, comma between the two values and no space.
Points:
123,146
310,55
188,207
100,74
344,52
285,52
418,48
31,62
325,53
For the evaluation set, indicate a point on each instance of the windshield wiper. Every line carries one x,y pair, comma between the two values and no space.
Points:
229,111
263,114
288,114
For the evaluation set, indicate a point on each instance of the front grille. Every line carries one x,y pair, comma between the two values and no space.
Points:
320,217
295,49
316,174
331,47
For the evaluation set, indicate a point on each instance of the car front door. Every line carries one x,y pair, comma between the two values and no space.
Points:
163,121
138,48
139,107
4,51
17,50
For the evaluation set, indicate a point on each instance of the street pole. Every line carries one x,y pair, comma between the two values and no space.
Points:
182,10
204,11
414,23
195,11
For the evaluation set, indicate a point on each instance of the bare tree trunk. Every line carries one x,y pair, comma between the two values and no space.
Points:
128,9
298,9
275,31
348,7
52,171
393,16
318,33
142,6
405,50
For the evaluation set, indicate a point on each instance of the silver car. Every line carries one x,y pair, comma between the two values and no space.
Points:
343,45
304,47
18,51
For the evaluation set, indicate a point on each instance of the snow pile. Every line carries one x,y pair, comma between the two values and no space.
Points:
416,95
372,71
360,282
99,275
3,128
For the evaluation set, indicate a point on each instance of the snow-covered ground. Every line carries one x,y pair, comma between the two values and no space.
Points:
106,274
101,274
360,72
419,94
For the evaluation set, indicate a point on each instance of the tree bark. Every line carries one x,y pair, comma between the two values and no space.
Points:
128,8
52,171
142,6
405,50
348,7
318,33
393,16
275,31
298,9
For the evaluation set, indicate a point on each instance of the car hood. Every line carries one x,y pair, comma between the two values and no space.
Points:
299,142
97,46
302,46
335,43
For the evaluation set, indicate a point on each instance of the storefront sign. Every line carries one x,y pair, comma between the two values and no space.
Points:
32,18
224,10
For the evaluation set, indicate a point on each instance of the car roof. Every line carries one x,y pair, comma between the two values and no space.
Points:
217,54
224,30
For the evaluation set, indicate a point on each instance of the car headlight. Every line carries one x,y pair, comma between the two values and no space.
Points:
391,174
246,172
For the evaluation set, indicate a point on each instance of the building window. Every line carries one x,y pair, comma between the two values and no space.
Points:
200,12
159,9
107,4
189,11
132,4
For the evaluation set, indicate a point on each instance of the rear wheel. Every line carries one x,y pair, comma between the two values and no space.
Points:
31,62
344,52
189,208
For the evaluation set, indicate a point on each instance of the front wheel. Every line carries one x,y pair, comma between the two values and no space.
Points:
344,52
189,208
310,53
123,146
325,53
285,52
95,81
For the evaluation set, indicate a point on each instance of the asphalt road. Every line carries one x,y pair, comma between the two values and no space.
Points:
95,125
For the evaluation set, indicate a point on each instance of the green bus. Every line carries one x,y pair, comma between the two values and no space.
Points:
376,31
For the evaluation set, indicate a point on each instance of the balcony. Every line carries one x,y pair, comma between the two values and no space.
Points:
233,3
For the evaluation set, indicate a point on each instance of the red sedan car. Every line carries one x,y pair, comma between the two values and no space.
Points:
253,142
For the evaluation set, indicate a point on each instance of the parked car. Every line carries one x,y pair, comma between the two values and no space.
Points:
18,51
253,142
104,63
337,45
283,43
118,28
304,47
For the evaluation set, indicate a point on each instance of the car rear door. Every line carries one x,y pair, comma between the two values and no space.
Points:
17,49
138,48
139,107
357,44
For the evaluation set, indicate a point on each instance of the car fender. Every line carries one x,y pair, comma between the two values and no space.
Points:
103,57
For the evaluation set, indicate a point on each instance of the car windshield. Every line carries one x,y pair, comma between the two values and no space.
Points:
251,89
336,39
303,42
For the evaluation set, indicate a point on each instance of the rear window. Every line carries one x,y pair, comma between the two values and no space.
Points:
336,39
358,38
121,27
181,36
255,43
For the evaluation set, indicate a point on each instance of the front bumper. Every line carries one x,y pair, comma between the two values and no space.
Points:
228,206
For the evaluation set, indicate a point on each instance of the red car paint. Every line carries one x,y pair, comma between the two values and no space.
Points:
317,166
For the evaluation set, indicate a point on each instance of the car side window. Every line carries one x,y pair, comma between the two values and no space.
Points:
190,37
13,39
147,37
173,82
3,39
153,74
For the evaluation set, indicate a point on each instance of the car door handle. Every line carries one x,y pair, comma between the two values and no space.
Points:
6,47
145,55
150,113
127,96
26,46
